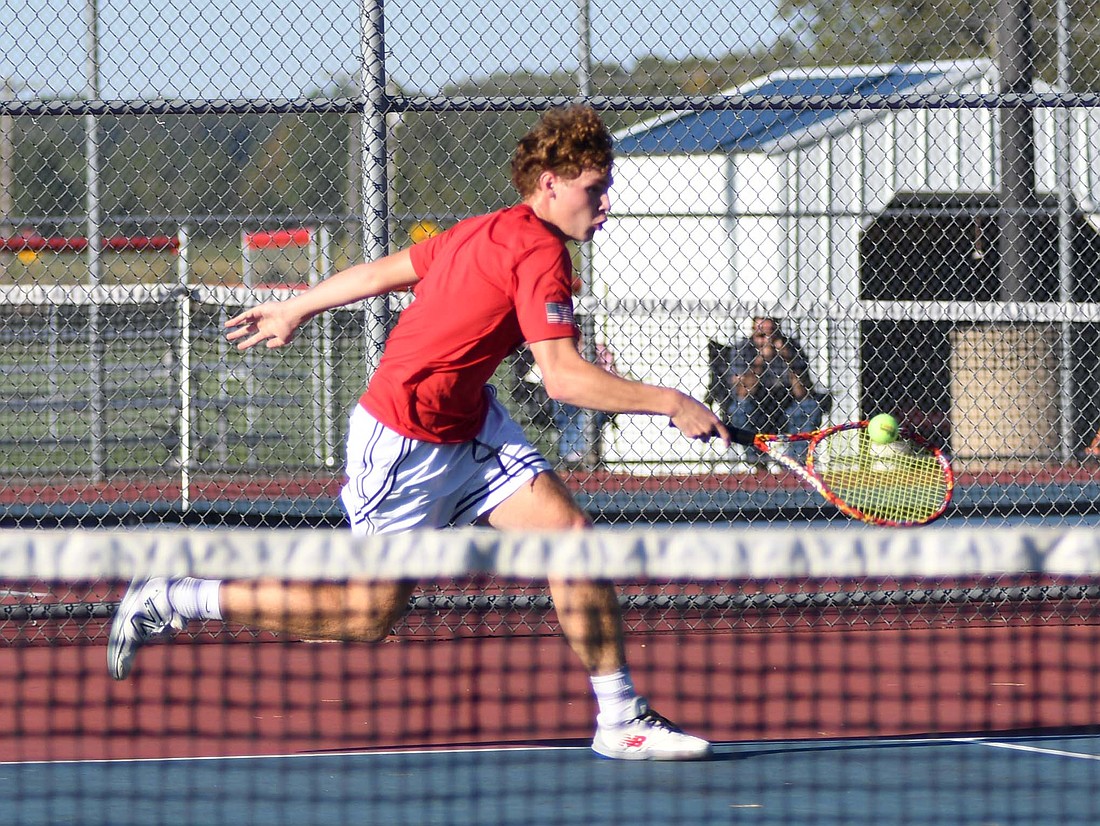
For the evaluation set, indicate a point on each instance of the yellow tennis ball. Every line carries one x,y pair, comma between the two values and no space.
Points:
882,429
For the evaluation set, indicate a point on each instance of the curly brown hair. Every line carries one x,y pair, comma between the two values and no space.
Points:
566,141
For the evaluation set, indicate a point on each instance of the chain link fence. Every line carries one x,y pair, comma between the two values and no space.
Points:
906,193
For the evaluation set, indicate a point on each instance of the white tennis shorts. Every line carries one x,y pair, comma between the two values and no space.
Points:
396,483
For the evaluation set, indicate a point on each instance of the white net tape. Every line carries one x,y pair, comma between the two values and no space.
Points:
657,554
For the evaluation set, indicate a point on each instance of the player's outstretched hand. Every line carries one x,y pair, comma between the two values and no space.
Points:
271,322
696,421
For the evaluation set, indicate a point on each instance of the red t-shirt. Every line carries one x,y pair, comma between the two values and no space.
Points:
486,285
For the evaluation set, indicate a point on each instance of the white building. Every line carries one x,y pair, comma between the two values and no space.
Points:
717,216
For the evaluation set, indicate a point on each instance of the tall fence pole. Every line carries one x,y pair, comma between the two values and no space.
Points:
587,320
374,196
322,362
1067,211
94,233
328,358
250,362
7,159
183,365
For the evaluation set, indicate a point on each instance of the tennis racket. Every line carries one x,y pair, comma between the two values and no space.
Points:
906,482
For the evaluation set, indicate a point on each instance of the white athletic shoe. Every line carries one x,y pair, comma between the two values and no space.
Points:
648,736
144,613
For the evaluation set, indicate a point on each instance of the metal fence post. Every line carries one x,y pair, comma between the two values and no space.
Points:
374,197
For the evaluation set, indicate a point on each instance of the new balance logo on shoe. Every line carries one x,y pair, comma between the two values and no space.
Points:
647,736
150,623
145,612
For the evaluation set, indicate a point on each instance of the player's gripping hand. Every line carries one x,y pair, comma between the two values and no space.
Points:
273,322
696,421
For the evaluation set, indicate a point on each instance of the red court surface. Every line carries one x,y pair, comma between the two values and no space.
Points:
306,488
215,698
210,698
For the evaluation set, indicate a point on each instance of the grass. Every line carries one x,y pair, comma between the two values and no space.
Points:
256,412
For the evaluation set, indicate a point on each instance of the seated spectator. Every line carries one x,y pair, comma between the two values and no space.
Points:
771,386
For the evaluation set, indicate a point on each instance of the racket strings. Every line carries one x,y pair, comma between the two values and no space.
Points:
897,482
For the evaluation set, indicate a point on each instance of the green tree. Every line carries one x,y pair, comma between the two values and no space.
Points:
456,164
298,165
841,32
49,167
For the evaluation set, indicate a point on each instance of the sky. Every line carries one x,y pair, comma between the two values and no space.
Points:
214,49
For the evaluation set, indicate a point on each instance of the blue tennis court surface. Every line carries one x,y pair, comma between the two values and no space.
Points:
1040,779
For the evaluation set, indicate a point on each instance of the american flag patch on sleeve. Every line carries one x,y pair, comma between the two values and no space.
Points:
559,313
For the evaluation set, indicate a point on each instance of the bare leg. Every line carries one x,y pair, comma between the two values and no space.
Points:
359,611
588,611
592,623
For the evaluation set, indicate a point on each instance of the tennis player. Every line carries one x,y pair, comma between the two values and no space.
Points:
430,446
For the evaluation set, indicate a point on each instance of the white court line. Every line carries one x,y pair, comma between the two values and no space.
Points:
382,752
993,744
304,755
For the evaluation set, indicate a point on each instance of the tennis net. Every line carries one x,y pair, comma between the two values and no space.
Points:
943,675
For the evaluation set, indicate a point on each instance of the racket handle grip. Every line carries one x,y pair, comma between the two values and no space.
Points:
739,436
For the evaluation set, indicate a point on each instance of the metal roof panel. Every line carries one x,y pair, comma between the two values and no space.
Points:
746,130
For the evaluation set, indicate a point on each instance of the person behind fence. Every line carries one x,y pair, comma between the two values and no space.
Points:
571,421
771,386
430,446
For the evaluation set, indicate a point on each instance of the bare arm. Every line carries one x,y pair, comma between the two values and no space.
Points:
569,378
276,321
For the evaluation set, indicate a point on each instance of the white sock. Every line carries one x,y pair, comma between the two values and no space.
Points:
615,696
196,599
